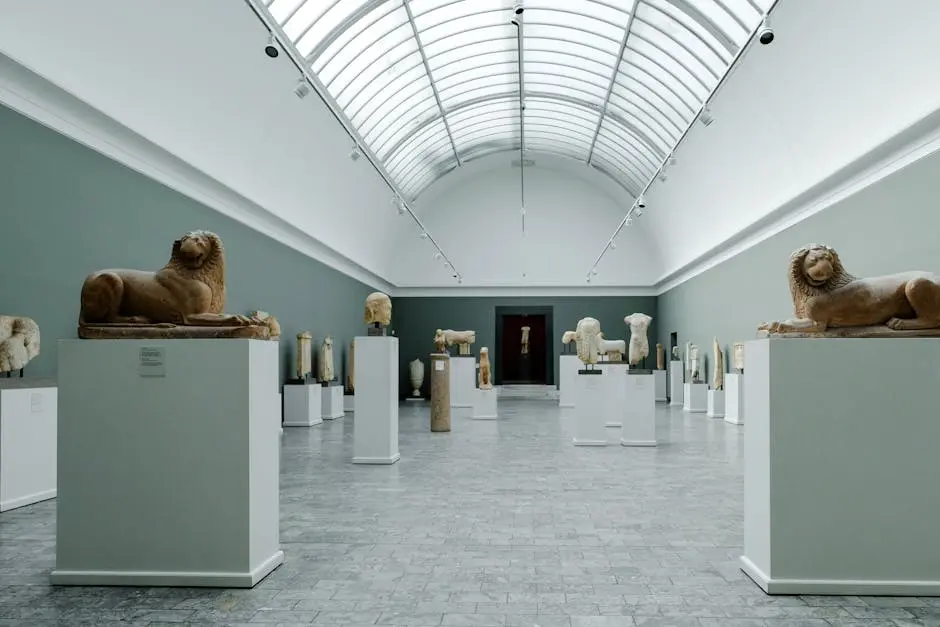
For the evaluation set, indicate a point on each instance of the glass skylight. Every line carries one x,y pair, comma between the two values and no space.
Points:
431,84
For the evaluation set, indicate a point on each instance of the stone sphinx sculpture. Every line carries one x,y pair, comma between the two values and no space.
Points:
614,349
525,340
304,355
587,339
660,357
19,343
351,373
416,374
830,302
378,312
184,299
325,372
486,379
639,345
737,356
274,327
718,370
446,337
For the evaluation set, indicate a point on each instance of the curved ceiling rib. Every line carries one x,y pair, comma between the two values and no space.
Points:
431,84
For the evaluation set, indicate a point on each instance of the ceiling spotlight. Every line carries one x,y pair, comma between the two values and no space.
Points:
459,279
766,33
302,88
705,117
662,175
629,221
613,245
589,278
594,271
641,201
438,255
424,235
272,49
400,207
517,10
672,159
355,153
638,213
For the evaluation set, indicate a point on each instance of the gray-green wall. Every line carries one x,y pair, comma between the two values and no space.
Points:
416,319
66,211
891,226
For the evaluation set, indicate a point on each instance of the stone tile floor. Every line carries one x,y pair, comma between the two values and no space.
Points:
499,523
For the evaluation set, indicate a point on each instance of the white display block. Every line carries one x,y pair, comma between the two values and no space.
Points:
168,463
840,466
676,386
590,405
696,398
716,404
485,406
331,402
375,428
302,405
462,385
27,441
639,420
615,383
567,374
349,403
734,398
659,380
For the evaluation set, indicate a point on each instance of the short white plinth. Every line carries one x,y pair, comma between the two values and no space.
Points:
349,403
659,380
567,376
485,406
590,405
331,401
615,383
840,466
463,387
302,404
696,398
676,386
375,428
168,463
716,404
639,421
734,398
27,441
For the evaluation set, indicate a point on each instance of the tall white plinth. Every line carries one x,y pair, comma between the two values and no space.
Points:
696,398
715,406
659,380
676,385
639,420
27,441
840,469
590,405
302,404
615,384
734,398
462,385
567,375
375,428
331,401
349,403
485,406
168,463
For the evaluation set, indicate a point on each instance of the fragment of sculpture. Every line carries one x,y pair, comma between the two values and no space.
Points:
718,370
325,363
568,336
525,340
304,354
688,361
675,353
378,309
737,356
448,337
274,327
587,340
19,342
485,376
639,345
416,372
351,373
830,302
693,363
660,357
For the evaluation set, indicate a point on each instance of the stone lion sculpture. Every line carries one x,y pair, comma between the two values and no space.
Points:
378,309
19,343
587,339
486,382
614,349
447,337
189,291
827,298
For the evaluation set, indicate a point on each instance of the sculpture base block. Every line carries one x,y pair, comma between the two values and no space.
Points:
590,408
659,377
639,420
485,407
331,401
302,405
615,384
170,332
375,429
349,403
716,404
462,384
567,374
28,420
377,332
734,398
696,398
854,332
676,386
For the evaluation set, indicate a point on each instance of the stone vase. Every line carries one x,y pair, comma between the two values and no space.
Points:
416,370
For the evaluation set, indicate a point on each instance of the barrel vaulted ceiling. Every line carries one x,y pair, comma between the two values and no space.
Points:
432,84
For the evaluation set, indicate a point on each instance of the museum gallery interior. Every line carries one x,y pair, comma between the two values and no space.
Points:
533,313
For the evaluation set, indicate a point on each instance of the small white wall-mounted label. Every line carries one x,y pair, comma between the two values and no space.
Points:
640,381
152,361
438,365
35,402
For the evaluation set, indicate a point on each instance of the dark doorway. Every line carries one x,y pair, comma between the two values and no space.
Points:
514,365
673,342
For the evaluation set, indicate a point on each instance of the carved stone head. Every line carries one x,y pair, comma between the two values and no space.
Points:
378,309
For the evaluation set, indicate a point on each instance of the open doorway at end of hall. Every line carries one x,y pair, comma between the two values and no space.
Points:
528,362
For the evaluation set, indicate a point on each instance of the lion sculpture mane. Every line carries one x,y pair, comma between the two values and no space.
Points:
19,342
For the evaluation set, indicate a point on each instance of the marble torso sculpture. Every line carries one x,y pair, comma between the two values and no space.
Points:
304,354
525,340
660,357
378,311
185,298
688,361
416,371
830,302
639,345
737,356
675,353
19,342
693,363
486,379
325,363
447,337
718,371
614,349
587,340
274,327
351,373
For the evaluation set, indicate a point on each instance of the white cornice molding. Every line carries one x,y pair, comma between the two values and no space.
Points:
522,291
28,93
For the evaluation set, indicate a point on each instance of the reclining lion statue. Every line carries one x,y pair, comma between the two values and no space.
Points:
830,302
189,291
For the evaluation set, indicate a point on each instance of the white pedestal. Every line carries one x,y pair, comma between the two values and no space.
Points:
639,421
659,381
485,406
615,384
302,405
27,441
462,385
696,398
375,429
567,375
676,386
331,401
590,404
349,403
716,404
168,463
734,398
840,470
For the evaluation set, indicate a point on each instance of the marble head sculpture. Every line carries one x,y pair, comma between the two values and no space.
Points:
639,345
378,309
587,340
830,302
185,298
19,342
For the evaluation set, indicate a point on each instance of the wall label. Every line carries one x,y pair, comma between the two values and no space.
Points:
152,361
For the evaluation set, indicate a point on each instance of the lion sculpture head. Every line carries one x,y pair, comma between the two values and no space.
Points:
199,255
814,270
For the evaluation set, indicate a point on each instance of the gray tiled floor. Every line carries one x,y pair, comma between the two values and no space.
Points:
498,523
